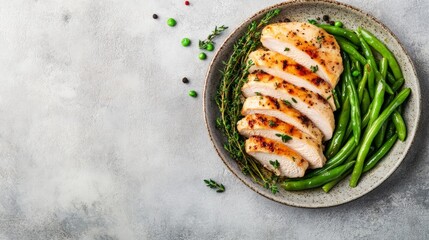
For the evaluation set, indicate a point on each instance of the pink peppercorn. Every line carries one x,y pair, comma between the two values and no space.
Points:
187,3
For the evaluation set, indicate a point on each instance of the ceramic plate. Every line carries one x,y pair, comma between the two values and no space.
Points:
352,18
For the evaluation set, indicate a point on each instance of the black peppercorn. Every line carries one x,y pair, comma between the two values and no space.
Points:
185,80
155,16
326,18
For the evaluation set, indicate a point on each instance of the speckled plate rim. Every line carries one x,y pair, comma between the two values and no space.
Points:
411,134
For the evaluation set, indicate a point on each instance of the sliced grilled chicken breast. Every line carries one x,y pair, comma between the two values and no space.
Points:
283,111
308,45
308,103
291,164
286,68
273,128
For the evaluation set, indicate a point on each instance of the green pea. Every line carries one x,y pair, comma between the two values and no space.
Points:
171,22
202,56
186,42
209,47
355,73
193,94
338,24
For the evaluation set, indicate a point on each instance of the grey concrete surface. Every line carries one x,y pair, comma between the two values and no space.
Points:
99,140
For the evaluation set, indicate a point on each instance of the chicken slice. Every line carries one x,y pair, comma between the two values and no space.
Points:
308,45
286,68
291,164
273,128
283,111
308,103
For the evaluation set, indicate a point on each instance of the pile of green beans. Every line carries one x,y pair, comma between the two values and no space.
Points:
369,121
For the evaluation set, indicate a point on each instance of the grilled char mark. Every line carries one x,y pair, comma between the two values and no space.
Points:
276,103
305,120
284,64
312,53
269,145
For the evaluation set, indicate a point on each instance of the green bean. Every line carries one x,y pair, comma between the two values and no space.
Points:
399,123
350,49
354,100
379,138
318,180
350,35
343,88
366,50
340,130
372,132
377,103
362,83
391,130
380,153
328,186
366,101
390,78
398,84
376,106
384,51
365,119
365,109
379,78
336,98
339,158
383,72
383,67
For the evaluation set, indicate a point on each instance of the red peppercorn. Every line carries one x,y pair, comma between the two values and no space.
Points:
187,3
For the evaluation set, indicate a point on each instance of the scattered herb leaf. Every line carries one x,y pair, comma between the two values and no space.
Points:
287,49
294,100
284,137
286,102
312,21
276,84
275,164
314,68
271,123
258,94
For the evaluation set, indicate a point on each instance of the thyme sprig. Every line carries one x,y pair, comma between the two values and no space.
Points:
214,185
216,32
228,99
